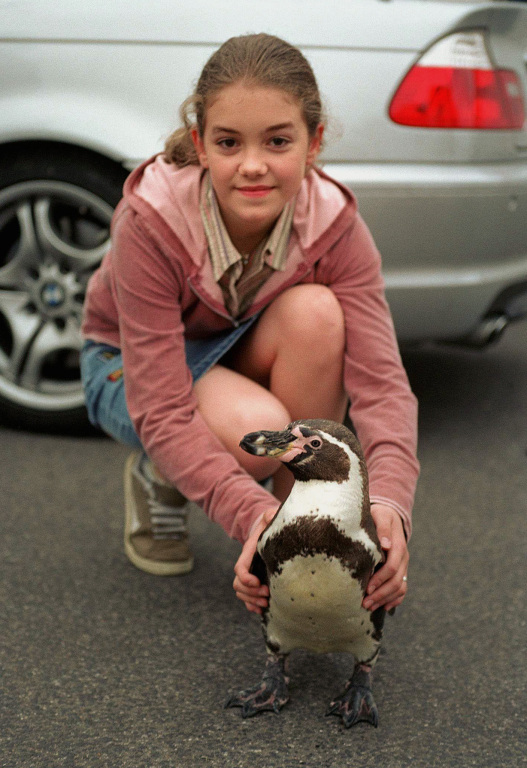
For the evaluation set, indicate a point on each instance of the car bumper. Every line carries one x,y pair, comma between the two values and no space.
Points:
453,240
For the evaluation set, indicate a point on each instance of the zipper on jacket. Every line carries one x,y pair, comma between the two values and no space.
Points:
209,305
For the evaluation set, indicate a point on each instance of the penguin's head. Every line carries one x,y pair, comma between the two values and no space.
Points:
313,449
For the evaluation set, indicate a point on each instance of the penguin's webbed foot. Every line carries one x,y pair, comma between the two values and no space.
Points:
356,704
270,694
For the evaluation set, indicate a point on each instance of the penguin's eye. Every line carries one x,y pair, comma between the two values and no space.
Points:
316,443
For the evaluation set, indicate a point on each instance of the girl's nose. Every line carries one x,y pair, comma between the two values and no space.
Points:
252,163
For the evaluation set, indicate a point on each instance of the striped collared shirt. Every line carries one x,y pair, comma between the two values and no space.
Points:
240,276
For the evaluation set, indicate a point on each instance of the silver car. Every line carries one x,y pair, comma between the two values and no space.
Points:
426,104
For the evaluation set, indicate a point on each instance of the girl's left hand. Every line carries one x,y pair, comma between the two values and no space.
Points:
387,586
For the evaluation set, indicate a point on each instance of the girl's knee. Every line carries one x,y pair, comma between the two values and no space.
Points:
312,315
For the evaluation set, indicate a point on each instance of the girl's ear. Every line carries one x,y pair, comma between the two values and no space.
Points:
200,148
315,144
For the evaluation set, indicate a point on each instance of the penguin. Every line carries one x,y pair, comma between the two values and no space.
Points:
317,556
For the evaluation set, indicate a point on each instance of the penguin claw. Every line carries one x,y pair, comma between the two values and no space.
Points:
354,706
258,699
269,695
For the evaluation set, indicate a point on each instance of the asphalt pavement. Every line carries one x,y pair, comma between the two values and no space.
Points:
102,665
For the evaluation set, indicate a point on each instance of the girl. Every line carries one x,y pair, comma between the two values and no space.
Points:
243,291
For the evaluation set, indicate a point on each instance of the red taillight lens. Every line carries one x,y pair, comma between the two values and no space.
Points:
455,85
447,97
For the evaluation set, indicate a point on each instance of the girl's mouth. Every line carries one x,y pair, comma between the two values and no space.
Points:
256,191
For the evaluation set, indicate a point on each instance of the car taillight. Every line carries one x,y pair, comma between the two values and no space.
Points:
455,85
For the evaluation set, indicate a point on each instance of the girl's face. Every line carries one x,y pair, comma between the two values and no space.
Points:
257,148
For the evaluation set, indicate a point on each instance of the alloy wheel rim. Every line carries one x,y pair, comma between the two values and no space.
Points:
53,235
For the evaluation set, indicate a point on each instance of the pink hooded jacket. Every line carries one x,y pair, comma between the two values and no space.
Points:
155,288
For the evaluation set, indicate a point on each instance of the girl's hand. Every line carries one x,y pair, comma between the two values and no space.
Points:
246,585
387,586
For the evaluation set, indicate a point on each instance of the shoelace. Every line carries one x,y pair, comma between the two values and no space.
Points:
167,522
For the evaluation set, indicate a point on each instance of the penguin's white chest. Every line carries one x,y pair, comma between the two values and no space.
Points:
319,560
315,604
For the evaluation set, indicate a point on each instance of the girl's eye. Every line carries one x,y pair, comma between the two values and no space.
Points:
227,143
279,142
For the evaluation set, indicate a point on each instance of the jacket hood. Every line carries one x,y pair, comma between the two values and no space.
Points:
172,194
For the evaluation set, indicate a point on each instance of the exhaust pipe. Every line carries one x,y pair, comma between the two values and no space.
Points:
488,331
510,305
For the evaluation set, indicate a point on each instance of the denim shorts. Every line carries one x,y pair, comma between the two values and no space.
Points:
103,378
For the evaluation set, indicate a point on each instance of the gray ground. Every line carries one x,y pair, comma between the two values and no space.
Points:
106,666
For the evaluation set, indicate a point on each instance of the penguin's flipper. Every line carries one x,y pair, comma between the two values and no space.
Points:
270,694
356,704
258,568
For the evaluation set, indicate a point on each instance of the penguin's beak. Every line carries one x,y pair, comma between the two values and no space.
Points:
265,443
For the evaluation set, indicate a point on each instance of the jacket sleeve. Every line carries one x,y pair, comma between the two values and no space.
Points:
158,385
382,407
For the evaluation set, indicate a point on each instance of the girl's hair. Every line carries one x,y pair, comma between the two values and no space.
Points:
256,60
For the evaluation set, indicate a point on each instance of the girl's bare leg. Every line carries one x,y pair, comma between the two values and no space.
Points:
233,405
297,351
290,366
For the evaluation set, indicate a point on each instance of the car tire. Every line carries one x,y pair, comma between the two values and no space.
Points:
56,203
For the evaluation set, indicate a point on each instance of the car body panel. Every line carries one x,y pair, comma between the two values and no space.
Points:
79,62
366,24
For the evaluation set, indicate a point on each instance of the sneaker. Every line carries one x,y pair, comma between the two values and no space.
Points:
155,528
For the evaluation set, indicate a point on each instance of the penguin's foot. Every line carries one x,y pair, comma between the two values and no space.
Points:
356,704
271,694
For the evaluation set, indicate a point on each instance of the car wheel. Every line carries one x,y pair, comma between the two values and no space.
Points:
55,210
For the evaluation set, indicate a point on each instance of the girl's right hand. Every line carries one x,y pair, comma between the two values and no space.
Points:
246,585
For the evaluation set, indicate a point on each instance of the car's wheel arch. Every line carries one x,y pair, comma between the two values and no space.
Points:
19,155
